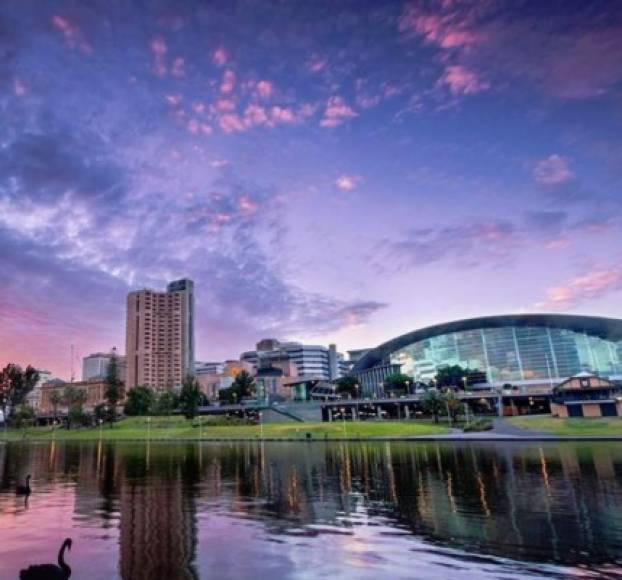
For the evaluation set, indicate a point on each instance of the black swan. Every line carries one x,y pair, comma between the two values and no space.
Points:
49,571
24,489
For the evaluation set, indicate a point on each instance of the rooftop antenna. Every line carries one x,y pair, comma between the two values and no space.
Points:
72,373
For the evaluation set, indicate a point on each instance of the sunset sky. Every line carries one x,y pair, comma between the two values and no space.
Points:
324,171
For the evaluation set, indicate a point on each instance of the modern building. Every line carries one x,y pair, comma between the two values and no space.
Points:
95,366
215,376
311,360
159,343
528,351
587,395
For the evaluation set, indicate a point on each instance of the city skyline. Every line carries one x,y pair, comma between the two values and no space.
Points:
326,172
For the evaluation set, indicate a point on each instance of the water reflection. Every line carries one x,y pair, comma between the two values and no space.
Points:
182,511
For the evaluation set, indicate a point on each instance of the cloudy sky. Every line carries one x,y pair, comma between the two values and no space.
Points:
339,171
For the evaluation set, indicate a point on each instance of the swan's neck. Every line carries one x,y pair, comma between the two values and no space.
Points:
61,560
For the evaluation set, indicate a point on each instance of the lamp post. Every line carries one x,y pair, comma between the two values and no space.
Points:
356,394
260,425
465,380
343,419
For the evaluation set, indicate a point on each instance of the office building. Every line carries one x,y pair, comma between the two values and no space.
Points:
95,366
160,336
310,360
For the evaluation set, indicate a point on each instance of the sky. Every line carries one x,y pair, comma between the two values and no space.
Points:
326,171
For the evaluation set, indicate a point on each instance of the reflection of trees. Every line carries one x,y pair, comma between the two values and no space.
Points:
537,502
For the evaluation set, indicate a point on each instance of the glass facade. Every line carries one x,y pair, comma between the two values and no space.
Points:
512,354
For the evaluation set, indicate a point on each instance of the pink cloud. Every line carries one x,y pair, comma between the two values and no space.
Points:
316,64
462,81
198,107
336,113
173,100
347,182
71,33
19,88
220,56
230,123
247,205
553,170
282,115
449,29
225,105
179,68
228,82
593,284
193,126
255,115
159,49
264,89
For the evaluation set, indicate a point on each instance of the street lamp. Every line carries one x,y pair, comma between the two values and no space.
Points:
466,382
343,419
260,425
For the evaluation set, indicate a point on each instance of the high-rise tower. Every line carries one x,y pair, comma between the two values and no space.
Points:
159,335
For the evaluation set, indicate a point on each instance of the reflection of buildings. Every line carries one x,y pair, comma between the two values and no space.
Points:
546,503
158,535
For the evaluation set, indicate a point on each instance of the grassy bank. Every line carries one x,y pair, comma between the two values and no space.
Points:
603,426
171,428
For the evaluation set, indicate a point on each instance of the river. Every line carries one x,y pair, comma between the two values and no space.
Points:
314,510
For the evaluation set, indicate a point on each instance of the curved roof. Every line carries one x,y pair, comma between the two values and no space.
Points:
609,328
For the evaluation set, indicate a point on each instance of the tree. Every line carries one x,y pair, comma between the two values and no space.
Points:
24,417
113,387
244,385
55,400
15,384
74,399
397,382
459,377
453,404
190,397
166,402
433,404
140,401
347,385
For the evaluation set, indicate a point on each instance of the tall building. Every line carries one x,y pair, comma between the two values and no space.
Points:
310,360
159,339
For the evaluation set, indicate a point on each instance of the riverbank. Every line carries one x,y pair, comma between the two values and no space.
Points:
179,428
574,427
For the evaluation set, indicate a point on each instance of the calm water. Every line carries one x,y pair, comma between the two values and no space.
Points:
284,510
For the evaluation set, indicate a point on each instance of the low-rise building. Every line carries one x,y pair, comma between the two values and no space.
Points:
213,377
95,395
587,395
33,398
